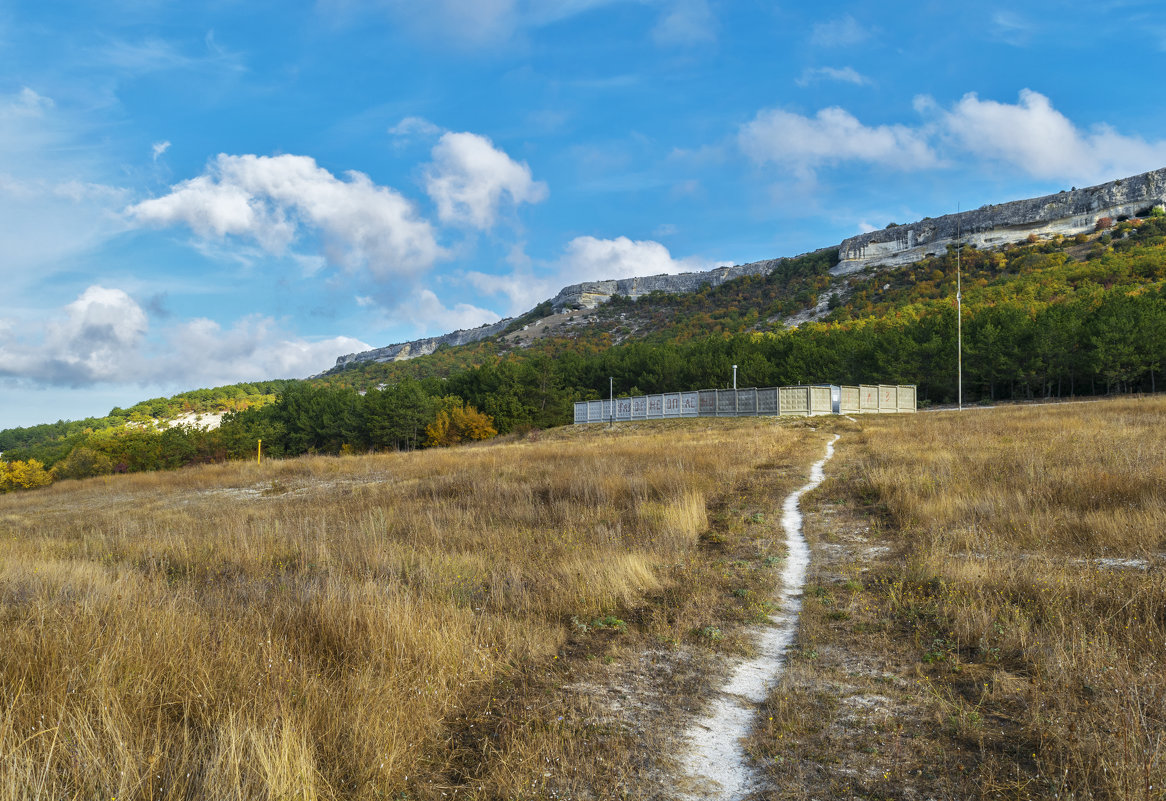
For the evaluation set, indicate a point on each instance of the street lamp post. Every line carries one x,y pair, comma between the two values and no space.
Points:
735,407
959,316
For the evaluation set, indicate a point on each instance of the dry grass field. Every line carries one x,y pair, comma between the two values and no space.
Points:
987,613
399,626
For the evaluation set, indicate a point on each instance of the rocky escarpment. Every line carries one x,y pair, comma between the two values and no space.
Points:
1066,213
590,294
423,347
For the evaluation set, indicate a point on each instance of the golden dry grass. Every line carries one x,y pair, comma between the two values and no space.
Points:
1028,579
355,627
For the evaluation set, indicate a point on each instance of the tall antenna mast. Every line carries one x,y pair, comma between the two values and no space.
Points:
959,313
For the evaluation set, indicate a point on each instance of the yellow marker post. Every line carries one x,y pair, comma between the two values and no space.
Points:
259,453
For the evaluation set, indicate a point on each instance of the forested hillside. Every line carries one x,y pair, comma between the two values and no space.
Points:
1054,318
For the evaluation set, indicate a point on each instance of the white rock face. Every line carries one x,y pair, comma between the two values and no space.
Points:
423,347
1066,213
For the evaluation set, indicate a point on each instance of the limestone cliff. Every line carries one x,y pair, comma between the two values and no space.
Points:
422,347
590,294
1067,213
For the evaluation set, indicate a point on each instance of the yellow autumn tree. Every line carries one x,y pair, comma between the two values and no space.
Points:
457,422
20,475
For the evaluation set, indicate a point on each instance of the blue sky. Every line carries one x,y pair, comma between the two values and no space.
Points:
197,194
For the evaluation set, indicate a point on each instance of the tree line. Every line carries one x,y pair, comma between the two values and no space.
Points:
1051,319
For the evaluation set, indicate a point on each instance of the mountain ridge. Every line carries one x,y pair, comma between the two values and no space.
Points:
1064,213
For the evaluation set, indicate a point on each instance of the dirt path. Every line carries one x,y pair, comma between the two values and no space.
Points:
715,764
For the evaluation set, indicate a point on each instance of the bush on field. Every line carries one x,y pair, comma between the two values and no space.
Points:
20,475
82,462
456,422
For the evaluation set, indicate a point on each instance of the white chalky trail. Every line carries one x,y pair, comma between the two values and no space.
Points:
716,762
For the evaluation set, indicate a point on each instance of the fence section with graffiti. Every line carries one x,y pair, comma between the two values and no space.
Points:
801,401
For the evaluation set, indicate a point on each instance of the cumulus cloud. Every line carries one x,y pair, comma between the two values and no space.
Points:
104,337
590,259
840,74
585,258
1030,136
470,180
1036,138
799,143
273,200
201,351
843,31
95,338
425,310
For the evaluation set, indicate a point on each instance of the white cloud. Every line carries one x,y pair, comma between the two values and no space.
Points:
415,126
273,199
1033,136
160,147
590,259
254,348
28,101
1011,28
585,258
1030,136
843,75
160,55
687,22
833,135
103,338
52,201
469,180
476,23
94,338
426,311
843,31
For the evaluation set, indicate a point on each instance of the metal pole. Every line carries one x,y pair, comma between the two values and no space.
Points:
611,402
735,406
259,452
959,314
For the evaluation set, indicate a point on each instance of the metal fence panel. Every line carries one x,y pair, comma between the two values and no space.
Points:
581,411
906,402
794,400
888,398
849,404
655,407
